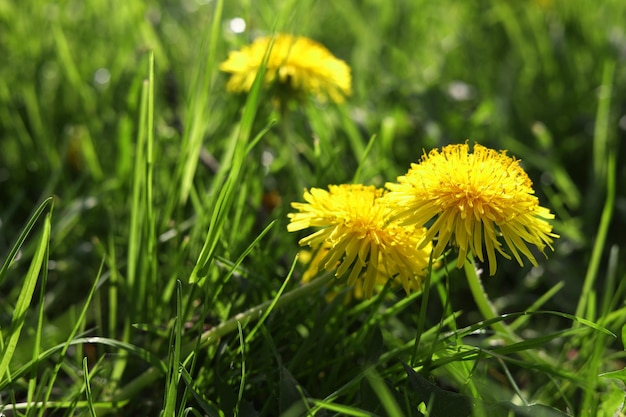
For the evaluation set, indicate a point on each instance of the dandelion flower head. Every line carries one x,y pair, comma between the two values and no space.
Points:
473,198
358,239
298,64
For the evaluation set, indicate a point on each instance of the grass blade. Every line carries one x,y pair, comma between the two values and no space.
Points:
90,406
608,159
174,373
198,116
23,235
79,322
225,197
25,298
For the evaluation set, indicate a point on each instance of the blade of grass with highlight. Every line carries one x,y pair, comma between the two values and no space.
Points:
47,203
198,115
189,362
242,382
141,220
68,405
138,198
384,393
151,295
114,282
79,322
25,297
609,159
207,406
32,382
89,398
595,346
174,354
601,141
220,207
340,409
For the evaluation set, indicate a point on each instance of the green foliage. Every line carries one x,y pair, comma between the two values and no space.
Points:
165,282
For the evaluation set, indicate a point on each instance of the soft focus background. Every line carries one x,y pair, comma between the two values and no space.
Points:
543,79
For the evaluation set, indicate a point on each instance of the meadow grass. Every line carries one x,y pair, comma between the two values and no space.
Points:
146,265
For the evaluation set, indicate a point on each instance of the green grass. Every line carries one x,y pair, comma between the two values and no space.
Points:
146,265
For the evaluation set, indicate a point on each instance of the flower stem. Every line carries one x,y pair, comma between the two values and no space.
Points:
483,303
422,317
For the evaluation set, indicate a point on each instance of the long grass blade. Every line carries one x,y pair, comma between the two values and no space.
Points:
79,322
88,395
174,373
24,300
23,235
608,155
197,117
225,197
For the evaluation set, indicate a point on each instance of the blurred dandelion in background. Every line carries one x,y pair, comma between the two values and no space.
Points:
296,67
471,198
357,239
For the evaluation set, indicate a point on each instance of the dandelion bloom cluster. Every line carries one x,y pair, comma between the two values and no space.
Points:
473,198
297,63
358,239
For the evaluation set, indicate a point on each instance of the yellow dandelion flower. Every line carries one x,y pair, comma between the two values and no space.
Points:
473,197
358,239
298,64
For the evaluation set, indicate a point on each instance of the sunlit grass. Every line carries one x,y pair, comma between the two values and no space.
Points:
146,263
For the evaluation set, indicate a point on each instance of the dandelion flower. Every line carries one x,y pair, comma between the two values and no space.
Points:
473,197
357,238
297,64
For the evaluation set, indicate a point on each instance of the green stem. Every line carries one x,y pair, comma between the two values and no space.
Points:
491,315
422,317
483,303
